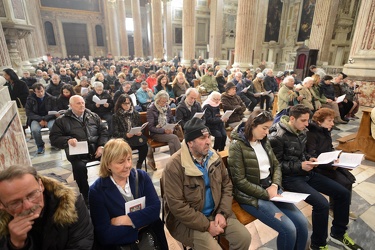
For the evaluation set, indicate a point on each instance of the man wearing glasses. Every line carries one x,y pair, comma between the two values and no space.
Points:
79,124
39,212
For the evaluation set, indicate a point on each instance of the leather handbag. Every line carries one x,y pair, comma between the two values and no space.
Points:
22,113
179,132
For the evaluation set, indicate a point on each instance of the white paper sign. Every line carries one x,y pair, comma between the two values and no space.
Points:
134,99
80,148
136,130
340,98
98,101
290,197
135,205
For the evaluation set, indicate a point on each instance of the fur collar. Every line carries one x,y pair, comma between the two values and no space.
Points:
65,213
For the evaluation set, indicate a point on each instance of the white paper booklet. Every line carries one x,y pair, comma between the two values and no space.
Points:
134,99
199,114
349,160
227,114
340,98
136,130
98,101
327,157
170,126
53,112
81,148
290,197
266,92
135,205
245,89
84,91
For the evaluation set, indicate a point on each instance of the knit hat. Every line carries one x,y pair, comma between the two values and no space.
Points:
229,85
195,128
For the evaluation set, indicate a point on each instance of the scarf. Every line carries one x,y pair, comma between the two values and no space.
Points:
162,118
211,102
127,117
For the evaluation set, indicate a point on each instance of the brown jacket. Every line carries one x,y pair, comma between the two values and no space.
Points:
184,194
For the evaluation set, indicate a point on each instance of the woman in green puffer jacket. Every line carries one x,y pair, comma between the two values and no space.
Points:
256,177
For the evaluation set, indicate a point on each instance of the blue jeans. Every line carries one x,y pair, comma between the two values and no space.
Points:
314,184
36,131
292,226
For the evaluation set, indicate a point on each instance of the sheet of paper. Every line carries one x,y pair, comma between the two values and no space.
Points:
290,197
266,92
98,101
245,89
135,205
327,157
136,130
349,160
134,99
340,98
80,148
52,112
84,90
199,114
170,126
227,114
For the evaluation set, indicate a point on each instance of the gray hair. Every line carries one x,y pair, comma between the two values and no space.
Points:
83,78
307,79
287,79
161,94
189,90
98,85
17,171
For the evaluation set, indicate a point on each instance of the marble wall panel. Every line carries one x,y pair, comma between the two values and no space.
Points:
2,9
367,95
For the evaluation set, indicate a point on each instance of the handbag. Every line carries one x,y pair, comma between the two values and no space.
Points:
136,141
22,113
147,239
179,132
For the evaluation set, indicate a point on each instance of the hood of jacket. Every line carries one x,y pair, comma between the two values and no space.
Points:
284,123
65,213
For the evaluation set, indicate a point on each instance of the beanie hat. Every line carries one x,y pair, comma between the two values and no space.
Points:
229,85
195,128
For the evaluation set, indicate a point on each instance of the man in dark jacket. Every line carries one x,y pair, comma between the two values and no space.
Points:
288,140
38,104
39,212
188,106
77,125
54,88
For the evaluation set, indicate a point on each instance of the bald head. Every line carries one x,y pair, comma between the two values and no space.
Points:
77,104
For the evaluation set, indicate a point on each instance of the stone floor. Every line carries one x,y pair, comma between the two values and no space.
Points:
362,230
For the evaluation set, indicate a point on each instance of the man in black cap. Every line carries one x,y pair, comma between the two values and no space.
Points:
198,194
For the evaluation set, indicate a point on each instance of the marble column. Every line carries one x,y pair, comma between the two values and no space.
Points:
216,30
167,26
12,37
259,33
188,32
157,31
113,39
246,20
4,55
138,43
362,54
121,12
322,27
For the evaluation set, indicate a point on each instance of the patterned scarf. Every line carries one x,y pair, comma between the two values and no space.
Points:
162,119
127,117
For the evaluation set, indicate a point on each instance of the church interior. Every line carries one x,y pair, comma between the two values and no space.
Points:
284,35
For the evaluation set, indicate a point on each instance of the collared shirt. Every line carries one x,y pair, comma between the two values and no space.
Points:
126,191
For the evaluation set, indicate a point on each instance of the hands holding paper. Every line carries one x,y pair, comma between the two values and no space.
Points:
307,166
272,191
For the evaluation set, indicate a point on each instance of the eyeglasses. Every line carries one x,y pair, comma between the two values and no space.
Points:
266,114
126,103
32,197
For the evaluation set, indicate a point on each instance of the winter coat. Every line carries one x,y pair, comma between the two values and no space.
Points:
327,90
53,89
244,170
65,223
91,105
69,126
235,103
213,117
184,192
183,114
152,118
31,108
19,90
289,147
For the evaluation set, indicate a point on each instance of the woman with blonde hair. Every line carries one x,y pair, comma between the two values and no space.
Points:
179,85
118,184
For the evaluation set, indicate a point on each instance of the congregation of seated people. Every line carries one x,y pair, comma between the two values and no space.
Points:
105,100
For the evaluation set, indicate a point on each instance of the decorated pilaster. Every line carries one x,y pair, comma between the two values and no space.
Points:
138,43
246,20
188,32
4,55
322,27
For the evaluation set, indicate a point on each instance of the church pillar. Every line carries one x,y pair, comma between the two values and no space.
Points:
216,30
157,31
362,54
138,43
188,32
167,26
246,20
112,32
322,27
4,56
121,12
